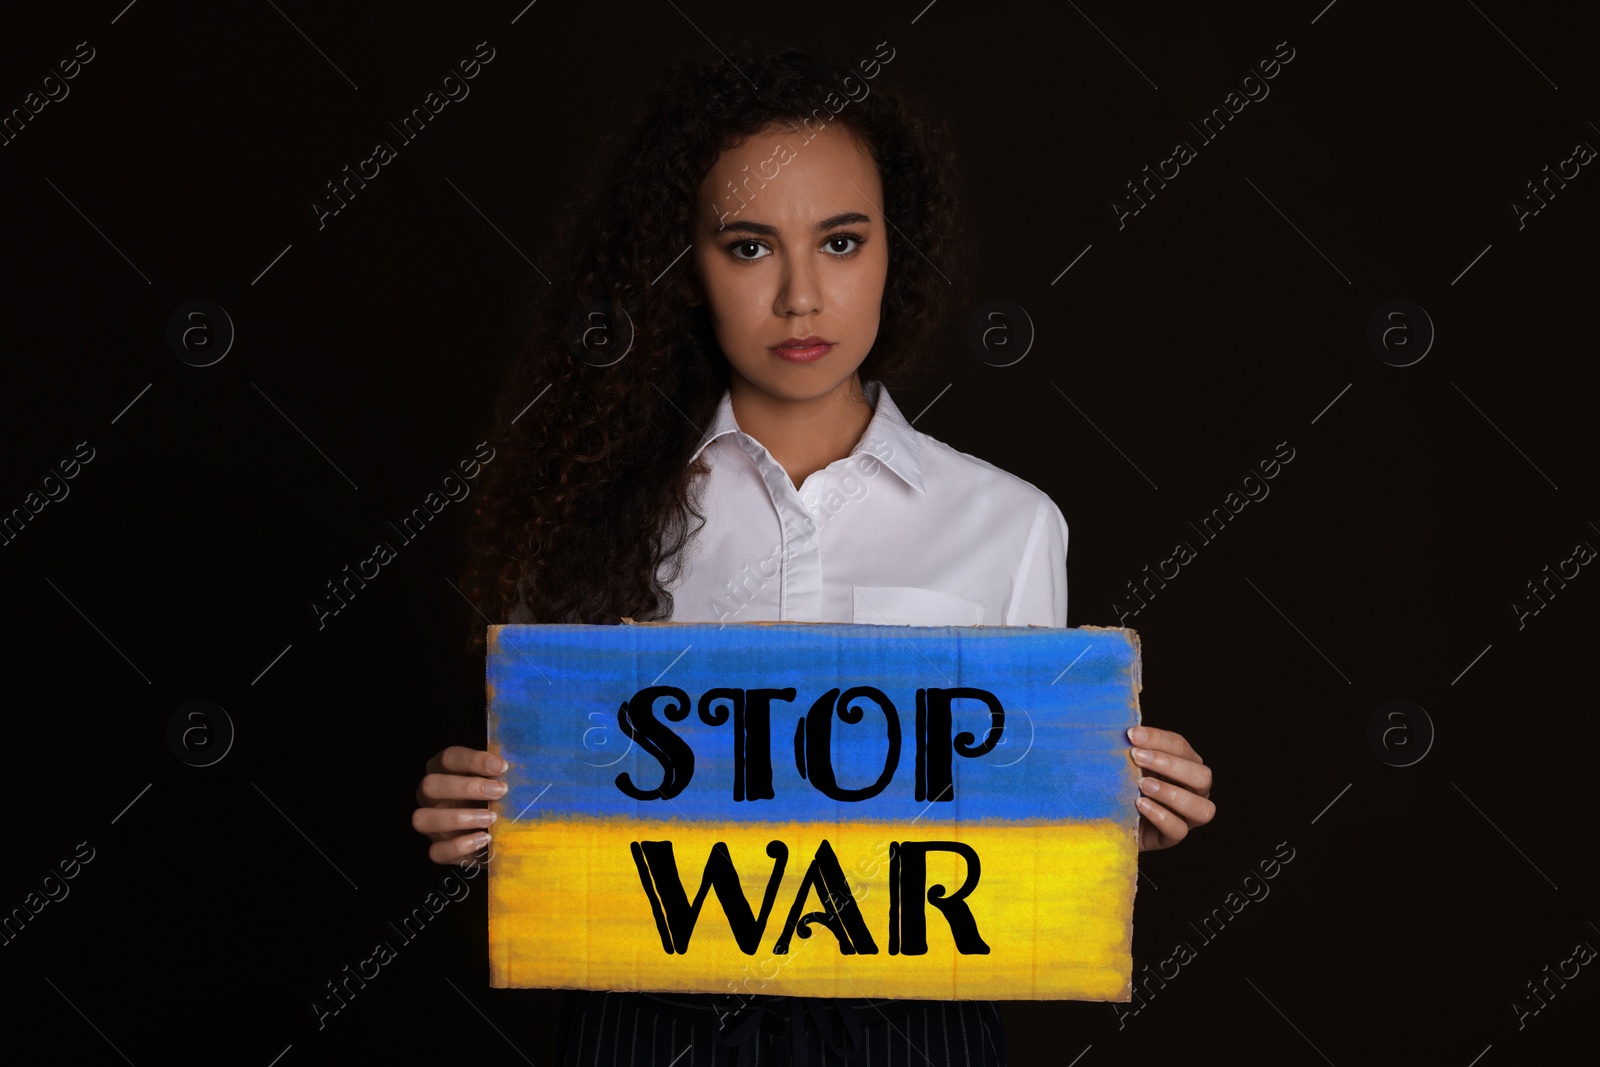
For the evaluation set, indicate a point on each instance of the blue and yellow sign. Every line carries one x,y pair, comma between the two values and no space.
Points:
815,809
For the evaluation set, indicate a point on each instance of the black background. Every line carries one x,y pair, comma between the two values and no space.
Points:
1224,318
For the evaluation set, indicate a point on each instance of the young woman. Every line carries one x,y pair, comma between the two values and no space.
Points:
774,243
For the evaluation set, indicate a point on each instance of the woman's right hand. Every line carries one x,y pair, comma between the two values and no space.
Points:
450,800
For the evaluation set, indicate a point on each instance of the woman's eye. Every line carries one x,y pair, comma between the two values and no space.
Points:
841,246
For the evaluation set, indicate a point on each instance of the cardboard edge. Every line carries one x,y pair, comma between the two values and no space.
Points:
497,978
1136,676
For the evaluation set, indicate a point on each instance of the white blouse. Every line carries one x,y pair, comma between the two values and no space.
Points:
904,531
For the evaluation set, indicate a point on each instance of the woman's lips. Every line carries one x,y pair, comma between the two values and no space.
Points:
804,354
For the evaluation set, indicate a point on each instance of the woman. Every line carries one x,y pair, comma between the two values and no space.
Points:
772,245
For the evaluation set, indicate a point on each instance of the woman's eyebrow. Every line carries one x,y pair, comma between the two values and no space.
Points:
765,230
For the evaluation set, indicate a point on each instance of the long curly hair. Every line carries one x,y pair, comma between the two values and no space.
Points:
588,502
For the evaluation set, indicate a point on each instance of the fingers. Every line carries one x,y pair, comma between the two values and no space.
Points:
458,759
437,787
460,849
457,780
1191,773
1158,827
1176,791
1193,810
1163,741
441,820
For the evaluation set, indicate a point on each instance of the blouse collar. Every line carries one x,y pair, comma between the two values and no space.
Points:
889,437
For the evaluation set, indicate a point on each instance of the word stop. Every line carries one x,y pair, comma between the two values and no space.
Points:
936,744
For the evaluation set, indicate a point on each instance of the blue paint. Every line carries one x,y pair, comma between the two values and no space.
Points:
557,690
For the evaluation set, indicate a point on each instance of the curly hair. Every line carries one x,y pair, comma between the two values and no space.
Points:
582,516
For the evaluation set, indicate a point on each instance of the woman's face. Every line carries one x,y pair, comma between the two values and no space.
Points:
789,242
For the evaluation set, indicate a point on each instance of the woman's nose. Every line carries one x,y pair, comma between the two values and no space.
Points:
798,291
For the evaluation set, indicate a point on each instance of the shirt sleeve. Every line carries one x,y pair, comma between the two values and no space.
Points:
1039,593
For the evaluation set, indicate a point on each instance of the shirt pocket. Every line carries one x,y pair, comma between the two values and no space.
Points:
906,605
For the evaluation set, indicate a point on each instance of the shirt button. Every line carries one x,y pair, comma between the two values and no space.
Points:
811,500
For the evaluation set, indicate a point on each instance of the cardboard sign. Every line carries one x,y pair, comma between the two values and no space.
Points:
815,809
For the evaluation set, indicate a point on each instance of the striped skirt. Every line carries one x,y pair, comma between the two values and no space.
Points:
605,1029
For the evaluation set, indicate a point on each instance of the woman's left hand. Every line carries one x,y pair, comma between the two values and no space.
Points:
1176,787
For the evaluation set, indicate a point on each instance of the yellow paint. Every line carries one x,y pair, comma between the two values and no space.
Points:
1053,902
